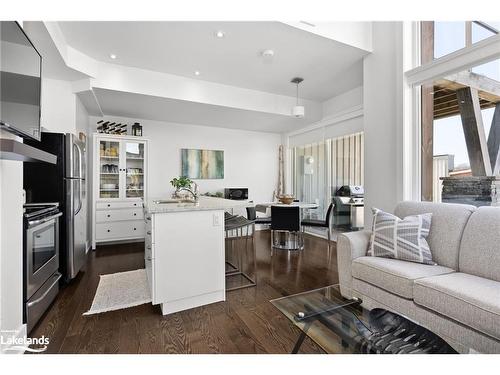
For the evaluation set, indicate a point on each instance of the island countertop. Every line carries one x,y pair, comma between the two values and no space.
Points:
203,204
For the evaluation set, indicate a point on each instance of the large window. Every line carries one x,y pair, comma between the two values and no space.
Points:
319,169
458,110
451,36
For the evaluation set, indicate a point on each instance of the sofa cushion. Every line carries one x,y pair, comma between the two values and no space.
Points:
395,276
468,299
403,239
480,248
448,223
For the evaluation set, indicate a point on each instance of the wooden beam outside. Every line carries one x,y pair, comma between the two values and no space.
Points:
427,117
490,88
446,107
475,138
494,142
468,33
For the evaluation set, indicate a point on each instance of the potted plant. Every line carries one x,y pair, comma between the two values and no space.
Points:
179,183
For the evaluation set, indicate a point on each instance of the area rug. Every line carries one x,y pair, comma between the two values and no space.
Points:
119,291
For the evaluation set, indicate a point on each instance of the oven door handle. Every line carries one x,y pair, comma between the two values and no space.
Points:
29,304
44,220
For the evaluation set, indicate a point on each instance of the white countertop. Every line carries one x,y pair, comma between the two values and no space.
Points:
203,204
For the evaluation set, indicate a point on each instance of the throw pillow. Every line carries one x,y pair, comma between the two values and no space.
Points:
403,239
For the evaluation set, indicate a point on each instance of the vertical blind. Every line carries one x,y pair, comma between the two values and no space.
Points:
320,168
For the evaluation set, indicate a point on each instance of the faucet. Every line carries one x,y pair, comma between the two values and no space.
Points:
192,191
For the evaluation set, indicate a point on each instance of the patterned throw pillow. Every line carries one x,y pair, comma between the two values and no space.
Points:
403,239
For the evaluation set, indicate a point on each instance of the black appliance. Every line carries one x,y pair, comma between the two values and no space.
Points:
20,82
64,183
40,259
236,193
349,207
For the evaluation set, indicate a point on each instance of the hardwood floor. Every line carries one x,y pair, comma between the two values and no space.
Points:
245,323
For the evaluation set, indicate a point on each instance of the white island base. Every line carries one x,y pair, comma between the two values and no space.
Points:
184,255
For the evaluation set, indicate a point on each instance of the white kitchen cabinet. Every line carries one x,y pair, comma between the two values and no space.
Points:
184,259
120,182
149,254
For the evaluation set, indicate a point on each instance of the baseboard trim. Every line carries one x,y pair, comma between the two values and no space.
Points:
118,242
191,302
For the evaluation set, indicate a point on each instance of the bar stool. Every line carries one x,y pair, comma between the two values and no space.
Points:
252,215
235,227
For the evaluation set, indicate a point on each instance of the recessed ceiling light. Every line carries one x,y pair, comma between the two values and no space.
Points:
197,73
220,34
269,53
113,56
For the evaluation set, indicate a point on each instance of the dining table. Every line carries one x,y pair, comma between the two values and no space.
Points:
263,207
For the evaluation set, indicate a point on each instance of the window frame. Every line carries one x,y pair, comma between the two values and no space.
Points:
472,55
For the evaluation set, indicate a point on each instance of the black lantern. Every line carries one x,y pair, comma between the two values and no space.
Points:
137,129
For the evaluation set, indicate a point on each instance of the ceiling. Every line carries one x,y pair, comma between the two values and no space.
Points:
181,48
125,104
53,65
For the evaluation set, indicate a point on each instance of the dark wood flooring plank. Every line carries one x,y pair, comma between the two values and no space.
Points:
245,323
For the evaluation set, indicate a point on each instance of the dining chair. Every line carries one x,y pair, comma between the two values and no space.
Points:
317,223
252,215
286,219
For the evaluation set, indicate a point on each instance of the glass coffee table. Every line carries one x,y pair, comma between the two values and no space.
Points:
340,325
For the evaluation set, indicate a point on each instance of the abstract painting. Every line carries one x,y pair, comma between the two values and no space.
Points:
202,164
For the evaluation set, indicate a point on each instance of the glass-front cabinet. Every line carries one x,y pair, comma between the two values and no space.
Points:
109,168
121,164
134,159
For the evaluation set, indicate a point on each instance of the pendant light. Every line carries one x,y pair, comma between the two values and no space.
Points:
298,111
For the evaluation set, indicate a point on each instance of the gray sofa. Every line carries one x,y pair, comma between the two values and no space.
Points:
459,298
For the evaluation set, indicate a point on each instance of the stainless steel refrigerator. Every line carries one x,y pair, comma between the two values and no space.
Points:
64,183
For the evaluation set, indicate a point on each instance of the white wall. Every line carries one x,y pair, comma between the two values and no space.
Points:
343,102
250,158
356,34
342,115
383,89
11,245
58,106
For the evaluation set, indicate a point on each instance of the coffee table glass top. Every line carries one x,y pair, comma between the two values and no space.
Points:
331,321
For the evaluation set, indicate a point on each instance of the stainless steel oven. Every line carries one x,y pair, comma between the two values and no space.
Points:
41,259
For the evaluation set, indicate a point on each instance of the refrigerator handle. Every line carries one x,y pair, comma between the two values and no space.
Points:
79,196
82,172
81,193
78,159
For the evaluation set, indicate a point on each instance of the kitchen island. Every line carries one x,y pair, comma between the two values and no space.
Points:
184,252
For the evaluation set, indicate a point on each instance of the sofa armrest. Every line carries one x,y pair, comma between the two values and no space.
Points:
349,247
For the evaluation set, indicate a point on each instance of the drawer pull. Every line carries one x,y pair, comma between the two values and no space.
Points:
149,258
135,228
135,204
109,230
149,232
109,215
148,218
109,205
148,247
135,214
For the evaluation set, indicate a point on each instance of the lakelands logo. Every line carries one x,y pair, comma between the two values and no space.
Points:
10,341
